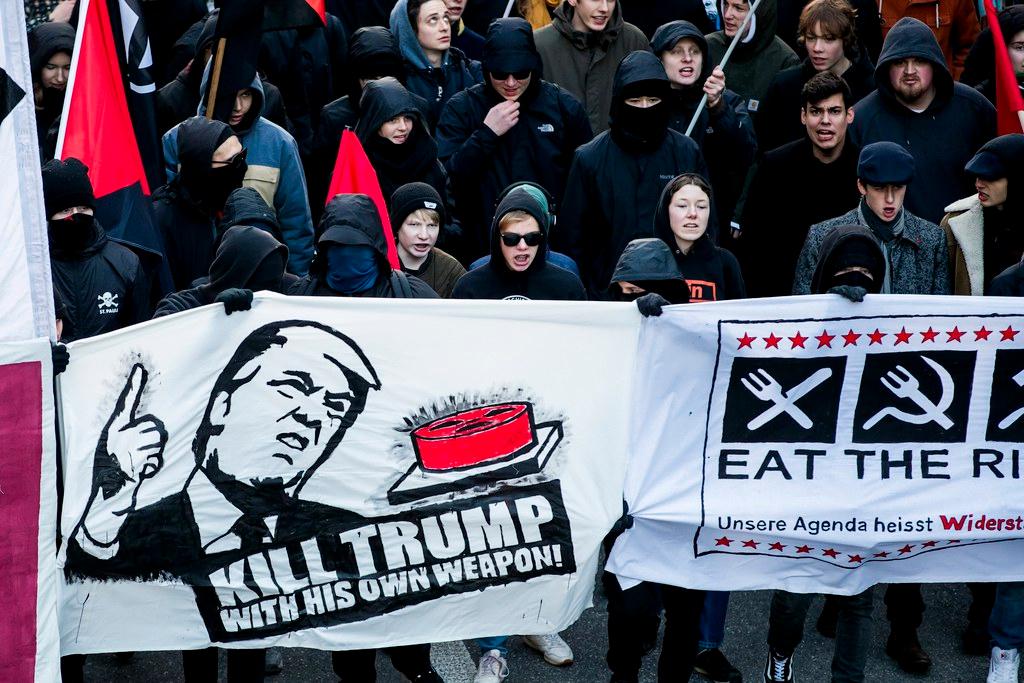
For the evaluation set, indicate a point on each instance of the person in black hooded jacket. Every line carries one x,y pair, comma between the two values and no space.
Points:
395,138
101,282
917,105
507,129
212,165
352,256
246,206
615,180
684,212
724,130
518,268
50,47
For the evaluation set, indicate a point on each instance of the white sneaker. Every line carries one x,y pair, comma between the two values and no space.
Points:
1003,666
555,650
492,669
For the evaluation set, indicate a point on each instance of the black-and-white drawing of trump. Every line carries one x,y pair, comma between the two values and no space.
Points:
277,411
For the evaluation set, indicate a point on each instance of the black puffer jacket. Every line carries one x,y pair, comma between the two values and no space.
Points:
352,220
725,135
239,256
612,192
103,288
942,138
540,281
540,148
413,161
712,273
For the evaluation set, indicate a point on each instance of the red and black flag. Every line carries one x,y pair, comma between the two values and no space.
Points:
1009,103
96,128
282,14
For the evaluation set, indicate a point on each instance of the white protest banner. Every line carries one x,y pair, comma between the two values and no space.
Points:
816,445
341,473
29,646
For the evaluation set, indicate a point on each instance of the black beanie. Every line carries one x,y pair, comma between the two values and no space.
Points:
66,184
413,197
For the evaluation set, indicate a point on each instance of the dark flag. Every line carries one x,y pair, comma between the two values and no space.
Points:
97,129
282,14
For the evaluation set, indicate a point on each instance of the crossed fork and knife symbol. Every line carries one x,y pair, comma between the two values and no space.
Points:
765,387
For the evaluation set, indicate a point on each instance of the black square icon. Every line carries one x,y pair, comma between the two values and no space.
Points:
914,397
1006,407
784,400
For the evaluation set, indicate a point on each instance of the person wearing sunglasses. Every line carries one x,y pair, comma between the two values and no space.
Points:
512,127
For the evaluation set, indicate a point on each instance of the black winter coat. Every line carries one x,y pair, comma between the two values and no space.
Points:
648,15
1008,283
778,118
943,138
103,288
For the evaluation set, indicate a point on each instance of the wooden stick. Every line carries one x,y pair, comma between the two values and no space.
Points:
218,62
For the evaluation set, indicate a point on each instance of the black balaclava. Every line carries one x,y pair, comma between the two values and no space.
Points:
66,185
205,186
247,257
849,246
635,129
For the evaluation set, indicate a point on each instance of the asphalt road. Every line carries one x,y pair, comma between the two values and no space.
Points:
745,646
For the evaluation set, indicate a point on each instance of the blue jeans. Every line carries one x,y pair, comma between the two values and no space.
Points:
494,643
1007,621
712,620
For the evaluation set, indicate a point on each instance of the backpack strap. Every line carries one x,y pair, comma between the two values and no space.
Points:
400,285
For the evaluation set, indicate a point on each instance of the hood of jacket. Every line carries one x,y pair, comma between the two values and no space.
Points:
663,228
833,244
582,40
409,45
246,206
912,38
645,261
519,199
352,220
509,47
198,139
255,111
760,32
47,39
635,68
383,100
372,53
666,37
241,251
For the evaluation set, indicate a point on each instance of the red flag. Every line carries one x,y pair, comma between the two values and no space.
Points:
354,174
283,14
1009,104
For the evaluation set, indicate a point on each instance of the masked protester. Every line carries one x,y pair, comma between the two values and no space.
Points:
647,266
417,218
639,152
396,140
213,164
246,206
50,47
101,282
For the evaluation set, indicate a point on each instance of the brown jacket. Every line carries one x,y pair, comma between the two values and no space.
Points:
964,225
585,65
954,23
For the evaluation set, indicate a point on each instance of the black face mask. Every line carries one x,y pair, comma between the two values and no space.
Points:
640,129
268,274
222,181
73,234
53,101
855,278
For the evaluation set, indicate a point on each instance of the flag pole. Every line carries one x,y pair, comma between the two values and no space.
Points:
725,59
1020,115
218,62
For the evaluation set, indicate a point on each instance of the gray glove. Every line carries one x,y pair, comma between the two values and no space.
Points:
854,294
651,304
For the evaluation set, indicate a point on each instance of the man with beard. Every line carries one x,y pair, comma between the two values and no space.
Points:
616,179
824,163
918,105
50,46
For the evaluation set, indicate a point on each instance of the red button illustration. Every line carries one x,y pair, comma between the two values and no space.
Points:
474,436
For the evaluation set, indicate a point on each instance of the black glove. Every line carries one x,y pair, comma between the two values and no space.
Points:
651,304
626,520
235,300
854,294
61,357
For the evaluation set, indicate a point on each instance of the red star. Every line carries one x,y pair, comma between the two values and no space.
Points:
777,546
855,558
750,544
825,339
797,340
723,541
906,549
746,340
955,334
882,554
803,549
903,337
929,335
771,341
929,544
982,333
850,338
876,336
831,553
1009,333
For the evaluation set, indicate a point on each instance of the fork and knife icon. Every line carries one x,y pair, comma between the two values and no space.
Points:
766,388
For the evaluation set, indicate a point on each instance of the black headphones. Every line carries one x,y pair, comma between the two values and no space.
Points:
551,208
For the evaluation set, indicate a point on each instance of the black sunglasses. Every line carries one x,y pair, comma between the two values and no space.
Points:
503,76
532,239
235,161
